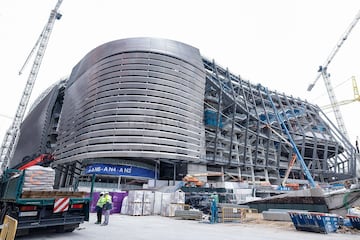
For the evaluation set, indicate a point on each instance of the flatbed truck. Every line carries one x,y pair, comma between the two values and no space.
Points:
62,211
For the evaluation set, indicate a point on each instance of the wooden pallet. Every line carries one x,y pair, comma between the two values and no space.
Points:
52,194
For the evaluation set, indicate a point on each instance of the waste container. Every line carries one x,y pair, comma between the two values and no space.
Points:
315,222
355,221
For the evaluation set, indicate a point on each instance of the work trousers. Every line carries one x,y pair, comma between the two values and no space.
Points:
106,214
98,213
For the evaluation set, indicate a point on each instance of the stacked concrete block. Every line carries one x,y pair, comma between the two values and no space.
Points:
38,178
241,195
144,203
165,202
136,196
135,208
140,203
135,203
157,202
148,203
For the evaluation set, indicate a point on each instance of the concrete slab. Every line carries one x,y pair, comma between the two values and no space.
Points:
278,214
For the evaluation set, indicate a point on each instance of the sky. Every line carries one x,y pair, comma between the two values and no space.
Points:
277,43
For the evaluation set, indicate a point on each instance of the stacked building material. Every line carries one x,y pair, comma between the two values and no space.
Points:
148,203
124,206
135,203
189,214
139,203
242,195
157,202
39,178
170,202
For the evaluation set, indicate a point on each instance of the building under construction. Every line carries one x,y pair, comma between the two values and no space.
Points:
144,108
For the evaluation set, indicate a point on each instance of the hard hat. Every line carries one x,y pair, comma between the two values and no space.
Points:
106,192
102,193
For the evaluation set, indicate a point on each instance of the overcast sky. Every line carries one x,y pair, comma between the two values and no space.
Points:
278,43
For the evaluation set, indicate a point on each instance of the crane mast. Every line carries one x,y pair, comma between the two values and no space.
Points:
334,104
323,72
11,136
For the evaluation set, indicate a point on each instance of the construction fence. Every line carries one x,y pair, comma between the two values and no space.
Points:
234,214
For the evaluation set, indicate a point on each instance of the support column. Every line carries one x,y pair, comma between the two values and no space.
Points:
239,173
223,174
174,174
119,182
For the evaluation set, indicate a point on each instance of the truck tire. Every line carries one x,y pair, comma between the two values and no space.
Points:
22,232
2,215
6,211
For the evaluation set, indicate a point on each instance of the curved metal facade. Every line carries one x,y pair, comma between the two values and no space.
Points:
134,98
38,130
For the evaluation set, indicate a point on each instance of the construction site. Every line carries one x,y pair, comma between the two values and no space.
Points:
170,132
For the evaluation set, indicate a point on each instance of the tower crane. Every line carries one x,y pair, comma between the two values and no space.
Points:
323,72
11,136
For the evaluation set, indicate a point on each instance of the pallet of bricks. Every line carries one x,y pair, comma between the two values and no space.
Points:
140,203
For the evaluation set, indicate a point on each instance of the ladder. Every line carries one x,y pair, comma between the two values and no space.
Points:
11,136
294,147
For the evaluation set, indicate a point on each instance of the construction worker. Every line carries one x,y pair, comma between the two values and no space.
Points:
214,201
107,207
99,207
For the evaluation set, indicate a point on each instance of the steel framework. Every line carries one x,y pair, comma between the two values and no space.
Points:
238,136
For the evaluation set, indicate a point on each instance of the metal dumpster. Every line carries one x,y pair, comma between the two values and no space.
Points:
315,222
355,221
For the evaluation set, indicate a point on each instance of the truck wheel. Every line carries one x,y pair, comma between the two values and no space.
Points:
22,232
2,215
5,211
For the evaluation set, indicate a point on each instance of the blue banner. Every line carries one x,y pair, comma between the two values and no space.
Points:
119,170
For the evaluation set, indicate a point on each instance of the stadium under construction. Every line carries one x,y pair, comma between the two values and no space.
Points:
145,108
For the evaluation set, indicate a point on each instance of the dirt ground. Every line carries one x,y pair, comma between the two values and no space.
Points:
256,218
